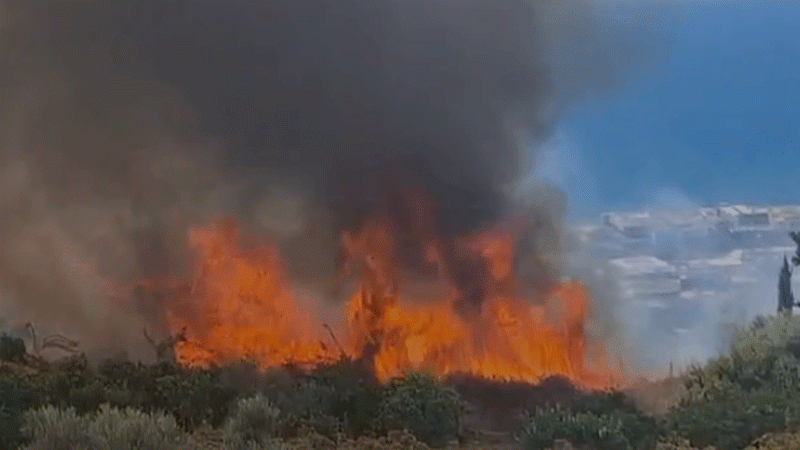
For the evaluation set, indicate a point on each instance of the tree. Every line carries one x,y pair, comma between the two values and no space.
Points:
785,297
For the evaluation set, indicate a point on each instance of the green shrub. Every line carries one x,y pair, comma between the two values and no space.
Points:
123,429
732,418
430,410
17,395
195,398
777,441
333,400
51,428
611,430
756,389
254,421
356,395
394,440
308,404
765,335
773,368
605,420
12,349
676,442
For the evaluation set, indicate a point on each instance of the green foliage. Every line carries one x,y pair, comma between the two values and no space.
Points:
394,440
605,421
12,349
357,395
254,422
309,404
754,390
334,400
774,368
605,431
195,398
123,429
733,418
674,441
429,409
777,441
51,428
17,394
765,335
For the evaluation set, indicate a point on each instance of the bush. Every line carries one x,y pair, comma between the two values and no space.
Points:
309,405
255,421
430,410
754,390
122,429
51,428
195,398
333,400
765,335
732,418
675,442
12,349
396,440
777,441
615,430
356,395
17,395
773,368
604,420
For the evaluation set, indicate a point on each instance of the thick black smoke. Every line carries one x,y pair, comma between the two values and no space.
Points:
124,122
358,94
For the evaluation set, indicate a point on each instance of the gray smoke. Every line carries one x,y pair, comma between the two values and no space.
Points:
124,122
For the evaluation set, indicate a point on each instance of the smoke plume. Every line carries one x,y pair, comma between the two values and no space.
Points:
124,122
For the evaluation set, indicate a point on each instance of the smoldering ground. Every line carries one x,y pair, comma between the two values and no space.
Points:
125,122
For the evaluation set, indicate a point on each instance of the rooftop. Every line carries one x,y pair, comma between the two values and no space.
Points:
640,265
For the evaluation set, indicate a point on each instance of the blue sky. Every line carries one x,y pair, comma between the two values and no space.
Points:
715,117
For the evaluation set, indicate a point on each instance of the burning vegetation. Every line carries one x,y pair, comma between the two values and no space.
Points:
409,125
240,305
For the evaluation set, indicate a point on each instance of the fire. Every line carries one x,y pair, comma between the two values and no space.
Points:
241,306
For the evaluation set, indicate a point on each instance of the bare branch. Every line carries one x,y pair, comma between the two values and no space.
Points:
29,327
335,341
149,339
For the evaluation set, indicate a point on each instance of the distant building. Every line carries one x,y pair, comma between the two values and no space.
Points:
714,274
644,276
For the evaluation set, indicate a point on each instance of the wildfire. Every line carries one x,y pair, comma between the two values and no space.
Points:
241,306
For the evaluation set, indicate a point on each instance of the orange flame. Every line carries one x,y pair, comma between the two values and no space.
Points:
243,308
240,306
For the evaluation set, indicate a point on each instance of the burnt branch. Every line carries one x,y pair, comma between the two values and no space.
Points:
335,341
53,341
165,350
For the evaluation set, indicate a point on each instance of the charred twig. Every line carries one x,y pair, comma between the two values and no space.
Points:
52,341
61,338
61,342
149,339
335,341
30,329
165,350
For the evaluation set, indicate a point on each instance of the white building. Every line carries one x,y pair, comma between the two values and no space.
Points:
644,276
